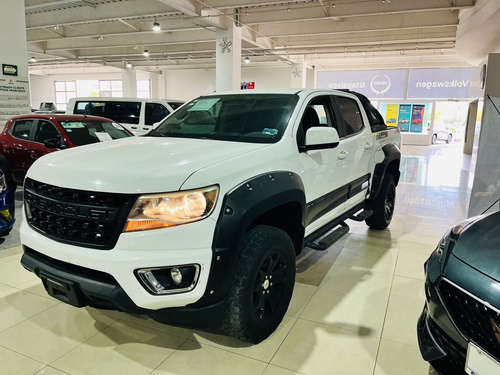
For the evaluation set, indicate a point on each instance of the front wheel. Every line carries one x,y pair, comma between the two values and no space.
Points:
383,204
434,139
262,284
450,137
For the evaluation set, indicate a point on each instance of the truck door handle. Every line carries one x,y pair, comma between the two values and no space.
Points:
342,155
134,127
368,146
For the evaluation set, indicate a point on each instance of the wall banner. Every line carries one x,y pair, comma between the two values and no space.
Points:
375,84
14,98
446,83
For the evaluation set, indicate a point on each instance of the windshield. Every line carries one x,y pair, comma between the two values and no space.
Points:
86,132
257,118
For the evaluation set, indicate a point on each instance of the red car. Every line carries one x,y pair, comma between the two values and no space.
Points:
26,138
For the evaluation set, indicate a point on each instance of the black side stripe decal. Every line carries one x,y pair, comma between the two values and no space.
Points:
324,204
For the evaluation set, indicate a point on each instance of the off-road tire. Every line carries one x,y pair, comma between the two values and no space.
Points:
383,204
262,284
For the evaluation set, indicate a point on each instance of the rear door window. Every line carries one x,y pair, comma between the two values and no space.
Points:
22,129
126,112
352,115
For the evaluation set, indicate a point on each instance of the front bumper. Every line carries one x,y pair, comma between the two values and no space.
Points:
133,251
437,348
80,286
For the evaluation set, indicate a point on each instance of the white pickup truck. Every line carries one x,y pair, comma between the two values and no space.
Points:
198,223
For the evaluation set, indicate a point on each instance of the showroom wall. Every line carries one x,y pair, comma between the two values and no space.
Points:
173,84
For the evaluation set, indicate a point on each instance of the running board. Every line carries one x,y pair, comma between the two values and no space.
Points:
361,216
330,239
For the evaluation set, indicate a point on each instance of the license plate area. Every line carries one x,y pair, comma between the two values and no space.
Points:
64,290
479,362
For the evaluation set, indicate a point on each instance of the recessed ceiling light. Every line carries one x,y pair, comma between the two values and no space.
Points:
247,60
156,26
145,52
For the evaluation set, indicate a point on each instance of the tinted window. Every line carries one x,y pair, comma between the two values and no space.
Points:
126,112
45,130
258,118
352,115
86,132
155,113
175,105
22,129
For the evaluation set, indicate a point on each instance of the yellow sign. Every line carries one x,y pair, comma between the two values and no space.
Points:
391,115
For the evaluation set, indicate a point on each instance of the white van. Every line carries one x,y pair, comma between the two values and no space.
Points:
137,114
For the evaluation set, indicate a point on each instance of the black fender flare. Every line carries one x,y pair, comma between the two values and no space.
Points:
240,208
392,158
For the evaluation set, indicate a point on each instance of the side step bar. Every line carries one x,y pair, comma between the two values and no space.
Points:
329,240
361,216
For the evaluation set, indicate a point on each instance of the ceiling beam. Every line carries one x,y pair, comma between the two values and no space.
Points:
354,25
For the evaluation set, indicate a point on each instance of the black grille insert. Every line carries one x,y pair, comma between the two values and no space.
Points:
476,321
83,218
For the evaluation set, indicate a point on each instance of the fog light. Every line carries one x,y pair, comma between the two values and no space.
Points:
169,280
176,276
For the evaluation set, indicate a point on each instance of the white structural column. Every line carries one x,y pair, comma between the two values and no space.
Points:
228,58
298,73
14,82
129,83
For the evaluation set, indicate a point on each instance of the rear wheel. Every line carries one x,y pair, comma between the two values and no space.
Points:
434,139
262,284
383,205
450,137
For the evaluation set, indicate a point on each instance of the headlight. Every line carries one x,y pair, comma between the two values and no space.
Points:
441,248
169,209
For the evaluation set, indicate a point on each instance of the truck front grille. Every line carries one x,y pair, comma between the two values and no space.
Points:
476,321
78,217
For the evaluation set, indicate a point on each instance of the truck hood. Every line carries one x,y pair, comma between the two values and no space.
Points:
479,245
134,165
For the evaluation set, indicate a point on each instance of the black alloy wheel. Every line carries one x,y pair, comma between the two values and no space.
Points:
269,286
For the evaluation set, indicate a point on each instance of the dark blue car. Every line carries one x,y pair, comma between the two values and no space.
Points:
459,329
7,205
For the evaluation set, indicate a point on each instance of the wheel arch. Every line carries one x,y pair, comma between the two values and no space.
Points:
390,164
274,198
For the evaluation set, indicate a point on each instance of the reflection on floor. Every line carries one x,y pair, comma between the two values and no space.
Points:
354,309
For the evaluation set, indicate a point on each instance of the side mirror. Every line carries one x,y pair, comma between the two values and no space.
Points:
54,143
321,137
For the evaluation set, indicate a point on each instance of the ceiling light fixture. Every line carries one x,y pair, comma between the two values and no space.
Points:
247,60
101,37
128,65
145,53
33,59
156,26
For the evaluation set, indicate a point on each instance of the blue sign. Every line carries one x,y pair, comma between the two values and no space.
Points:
449,83
375,84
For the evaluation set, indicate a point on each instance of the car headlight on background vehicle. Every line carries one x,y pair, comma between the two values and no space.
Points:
443,244
169,209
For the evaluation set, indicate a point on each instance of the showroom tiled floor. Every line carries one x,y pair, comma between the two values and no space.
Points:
354,309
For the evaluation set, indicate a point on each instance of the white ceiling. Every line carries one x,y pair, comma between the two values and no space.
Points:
328,34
